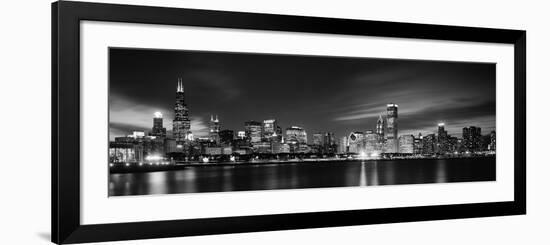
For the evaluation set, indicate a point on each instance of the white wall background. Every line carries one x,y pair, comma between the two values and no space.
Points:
25,124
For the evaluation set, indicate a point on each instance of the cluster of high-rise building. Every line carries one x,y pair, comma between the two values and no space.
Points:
268,138
384,139
257,137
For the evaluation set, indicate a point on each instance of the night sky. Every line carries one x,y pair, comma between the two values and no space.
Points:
319,93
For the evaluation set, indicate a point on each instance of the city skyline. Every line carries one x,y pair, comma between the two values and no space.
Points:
132,105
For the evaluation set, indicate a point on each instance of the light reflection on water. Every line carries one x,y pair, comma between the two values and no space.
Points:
373,177
302,175
440,172
363,178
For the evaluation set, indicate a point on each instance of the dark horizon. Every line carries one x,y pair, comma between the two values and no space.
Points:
318,93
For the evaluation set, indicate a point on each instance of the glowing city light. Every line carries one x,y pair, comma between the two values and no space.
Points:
358,145
153,158
137,134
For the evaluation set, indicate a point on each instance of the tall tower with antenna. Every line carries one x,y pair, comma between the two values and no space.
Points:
181,125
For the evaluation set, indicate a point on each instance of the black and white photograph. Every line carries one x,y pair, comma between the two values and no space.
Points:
275,122
188,121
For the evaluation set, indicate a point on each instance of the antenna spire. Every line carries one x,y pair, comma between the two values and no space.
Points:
180,84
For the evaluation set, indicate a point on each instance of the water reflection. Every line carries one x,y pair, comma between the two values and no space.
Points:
363,173
373,174
301,175
441,174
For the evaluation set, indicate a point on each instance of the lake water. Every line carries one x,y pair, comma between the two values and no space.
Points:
302,175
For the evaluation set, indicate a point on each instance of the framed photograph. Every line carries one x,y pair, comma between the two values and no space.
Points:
174,122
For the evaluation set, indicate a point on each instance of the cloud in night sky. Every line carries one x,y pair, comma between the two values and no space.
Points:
127,116
335,94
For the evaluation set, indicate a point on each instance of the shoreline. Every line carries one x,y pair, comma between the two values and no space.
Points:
151,167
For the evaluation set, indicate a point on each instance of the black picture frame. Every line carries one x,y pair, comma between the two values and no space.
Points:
66,17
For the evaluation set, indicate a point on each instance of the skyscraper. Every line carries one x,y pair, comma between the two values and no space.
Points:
181,124
406,144
253,131
158,129
296,134
471,138
428,143
441,130
330,143
380,127
214,126
356,142
269,128
343,145
392,143
417,144
372,143
442,144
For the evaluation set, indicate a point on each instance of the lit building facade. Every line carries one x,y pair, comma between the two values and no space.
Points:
158,129
406,144
124,152
253,131
215,150
269,128
442,143
392,143
296,134
343,145
241,135
214,129
284,148
181,126
380,127
472,138
227,150
452,144
262,147
373,147
418,144
428,144
356,142
324,142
